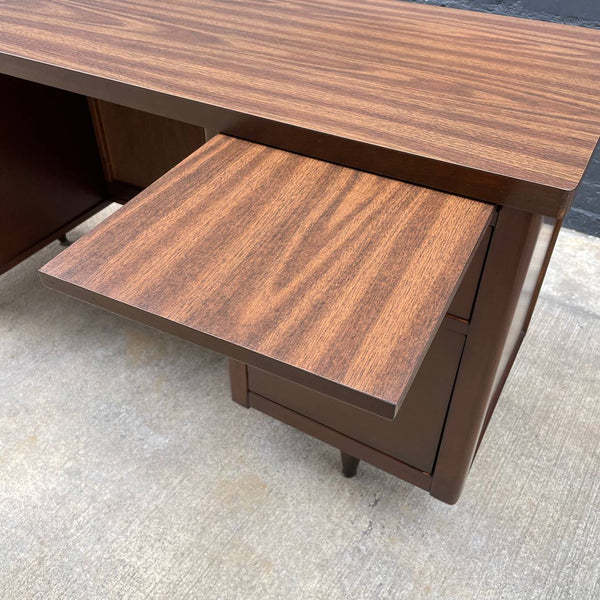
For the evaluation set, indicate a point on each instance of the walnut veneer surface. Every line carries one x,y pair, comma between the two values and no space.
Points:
497,108
328,276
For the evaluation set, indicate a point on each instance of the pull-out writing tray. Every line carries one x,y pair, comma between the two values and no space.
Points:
330,277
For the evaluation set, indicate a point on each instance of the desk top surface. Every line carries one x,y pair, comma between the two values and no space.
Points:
458,91
334,278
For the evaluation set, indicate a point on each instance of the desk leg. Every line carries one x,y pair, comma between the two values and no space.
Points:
349,464
238,378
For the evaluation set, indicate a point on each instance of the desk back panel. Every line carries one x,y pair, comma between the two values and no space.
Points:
138,147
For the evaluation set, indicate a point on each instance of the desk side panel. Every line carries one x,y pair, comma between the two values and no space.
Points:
491,345
50,170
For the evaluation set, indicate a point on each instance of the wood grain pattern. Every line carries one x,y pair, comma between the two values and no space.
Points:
327,276
497,108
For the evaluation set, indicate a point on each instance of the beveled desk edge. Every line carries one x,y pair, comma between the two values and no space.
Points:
369,403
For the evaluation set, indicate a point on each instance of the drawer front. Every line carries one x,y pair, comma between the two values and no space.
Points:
413,436
463,301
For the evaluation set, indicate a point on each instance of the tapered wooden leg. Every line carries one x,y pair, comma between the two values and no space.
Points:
349,464
64,240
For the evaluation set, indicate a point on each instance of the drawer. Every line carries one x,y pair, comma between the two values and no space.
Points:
335,279
413,436
462,304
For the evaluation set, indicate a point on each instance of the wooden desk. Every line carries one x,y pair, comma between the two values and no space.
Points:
495,109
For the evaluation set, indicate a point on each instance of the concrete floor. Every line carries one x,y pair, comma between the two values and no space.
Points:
126,471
